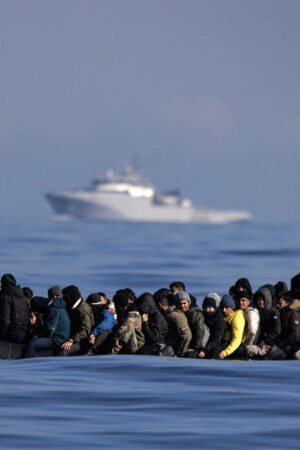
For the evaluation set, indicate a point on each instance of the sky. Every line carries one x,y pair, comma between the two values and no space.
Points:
205,93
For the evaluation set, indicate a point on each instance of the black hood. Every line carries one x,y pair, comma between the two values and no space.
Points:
146,304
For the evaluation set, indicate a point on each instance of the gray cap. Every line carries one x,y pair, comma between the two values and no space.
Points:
54,290
182,295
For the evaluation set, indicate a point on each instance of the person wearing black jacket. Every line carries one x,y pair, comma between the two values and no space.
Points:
288,342
14,311
270,324
214,320
154,325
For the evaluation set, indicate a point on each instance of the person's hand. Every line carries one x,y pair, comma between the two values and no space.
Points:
222,356
92,339
190,350
201,355
144,317
32,318
117,347
67,345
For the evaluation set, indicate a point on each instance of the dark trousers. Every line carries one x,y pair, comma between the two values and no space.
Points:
38,343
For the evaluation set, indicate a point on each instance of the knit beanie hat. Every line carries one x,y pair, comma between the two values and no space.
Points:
121,298
182,295
54,290
227,302
94,300
209,301
71,294
8,280
281,286
216,297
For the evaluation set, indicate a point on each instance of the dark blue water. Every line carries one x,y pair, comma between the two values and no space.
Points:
148,402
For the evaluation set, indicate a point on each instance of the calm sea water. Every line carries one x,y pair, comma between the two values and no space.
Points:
148,402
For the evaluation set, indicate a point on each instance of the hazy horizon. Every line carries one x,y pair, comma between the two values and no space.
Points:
204,93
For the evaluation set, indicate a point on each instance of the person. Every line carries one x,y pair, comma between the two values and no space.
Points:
28,294
215,322
270,325
200,332
82,321
175,287
179,333
251,315
288,343
14,311
104,318
56,328
294,292
154,325
179,286
243,284
127,336
235,323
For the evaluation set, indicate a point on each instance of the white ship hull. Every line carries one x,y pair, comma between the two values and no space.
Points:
114,206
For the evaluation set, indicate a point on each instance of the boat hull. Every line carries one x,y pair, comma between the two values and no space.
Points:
89,205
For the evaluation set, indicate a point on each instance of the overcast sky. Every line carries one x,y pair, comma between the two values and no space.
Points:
205,93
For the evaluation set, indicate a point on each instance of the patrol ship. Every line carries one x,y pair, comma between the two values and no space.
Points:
127,197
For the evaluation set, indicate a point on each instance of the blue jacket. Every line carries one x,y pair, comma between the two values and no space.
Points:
56,319
107,323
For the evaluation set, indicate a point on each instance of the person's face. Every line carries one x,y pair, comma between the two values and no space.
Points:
260,303
282,303
173,290
244,303
241,289
226,311
103,300
209,309
120,310
183,305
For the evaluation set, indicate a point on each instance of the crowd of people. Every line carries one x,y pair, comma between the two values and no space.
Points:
240,325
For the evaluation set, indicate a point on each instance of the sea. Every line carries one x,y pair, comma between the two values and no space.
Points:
148,402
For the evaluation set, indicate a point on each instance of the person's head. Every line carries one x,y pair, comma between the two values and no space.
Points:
8,280
28,293
209,306
55,292
97,301
122,301
129,292
214,296
244,299
176,286
182,301
262,298
227,305
243,284
284,301
71,295
146,304
163,304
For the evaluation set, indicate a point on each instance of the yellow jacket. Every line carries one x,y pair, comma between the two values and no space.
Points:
234,334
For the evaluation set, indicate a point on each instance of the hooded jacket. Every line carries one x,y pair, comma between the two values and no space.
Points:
270,324
155,329
251,330
56,319
179,333
14,314
290,328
